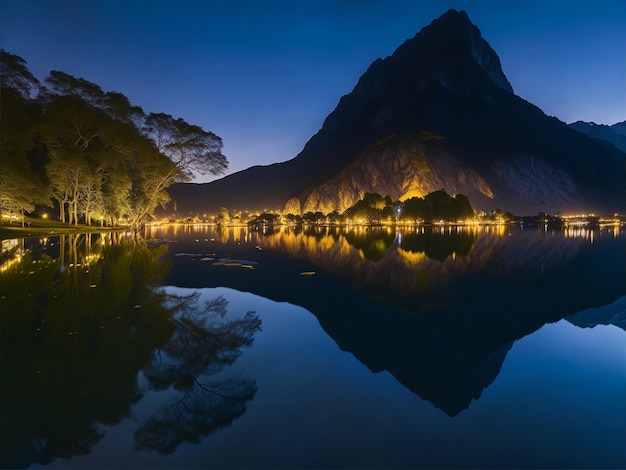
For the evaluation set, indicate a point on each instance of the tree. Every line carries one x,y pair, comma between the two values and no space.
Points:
412,209
374,200
462,209
189,147
16,76
172,150
20,184
438,206
223,218
75,131
91,151
202,344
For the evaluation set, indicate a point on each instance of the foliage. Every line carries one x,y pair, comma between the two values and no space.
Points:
91,152
223,218
264,219
437,205
369,208
313,217
21,185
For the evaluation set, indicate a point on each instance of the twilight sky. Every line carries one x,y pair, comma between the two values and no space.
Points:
263,74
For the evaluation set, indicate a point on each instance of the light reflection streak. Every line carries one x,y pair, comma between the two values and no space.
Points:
582,232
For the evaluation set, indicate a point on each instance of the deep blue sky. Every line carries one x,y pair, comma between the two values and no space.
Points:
263,74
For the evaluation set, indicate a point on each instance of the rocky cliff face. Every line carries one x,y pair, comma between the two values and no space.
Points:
409,166
439,113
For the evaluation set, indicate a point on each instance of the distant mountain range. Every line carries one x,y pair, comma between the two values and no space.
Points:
615,134
439,113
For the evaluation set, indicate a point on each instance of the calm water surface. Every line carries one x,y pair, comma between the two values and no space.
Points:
315,348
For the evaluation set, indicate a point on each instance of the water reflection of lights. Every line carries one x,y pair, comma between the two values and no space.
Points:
9,244
91,258
580,232
10,263
13,248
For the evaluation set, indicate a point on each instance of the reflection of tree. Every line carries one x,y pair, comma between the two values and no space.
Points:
372,243
75,332
72,343
202,409
202,345
438,246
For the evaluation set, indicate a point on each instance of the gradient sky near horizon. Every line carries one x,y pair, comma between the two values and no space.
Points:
264,74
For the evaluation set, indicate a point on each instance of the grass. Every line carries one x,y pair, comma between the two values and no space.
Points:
37,227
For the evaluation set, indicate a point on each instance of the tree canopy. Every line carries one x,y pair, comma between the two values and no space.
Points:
91,154
438,205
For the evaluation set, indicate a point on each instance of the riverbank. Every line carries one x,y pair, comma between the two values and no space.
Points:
36,227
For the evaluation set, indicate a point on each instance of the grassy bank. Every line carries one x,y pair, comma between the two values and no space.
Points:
35,227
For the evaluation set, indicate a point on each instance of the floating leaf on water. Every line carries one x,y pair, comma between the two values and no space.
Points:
258,247
136,306
92,285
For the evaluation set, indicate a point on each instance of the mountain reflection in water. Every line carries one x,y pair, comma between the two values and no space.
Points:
437,307
82,316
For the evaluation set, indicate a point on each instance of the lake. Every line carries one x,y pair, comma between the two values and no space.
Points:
318,347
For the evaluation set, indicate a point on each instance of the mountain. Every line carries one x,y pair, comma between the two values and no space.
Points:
439,113
615,134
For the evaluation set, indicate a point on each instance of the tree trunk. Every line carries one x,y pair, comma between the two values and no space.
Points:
61,210
75,198
75,210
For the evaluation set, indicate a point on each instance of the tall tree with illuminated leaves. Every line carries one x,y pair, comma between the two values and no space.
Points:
21,185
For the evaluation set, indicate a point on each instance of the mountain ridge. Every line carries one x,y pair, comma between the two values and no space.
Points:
614,134
492,145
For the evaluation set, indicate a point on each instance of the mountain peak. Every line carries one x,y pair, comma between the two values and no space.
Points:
455,16
449,56
454,34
